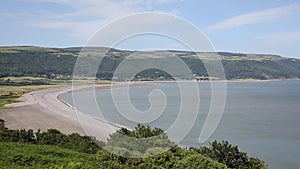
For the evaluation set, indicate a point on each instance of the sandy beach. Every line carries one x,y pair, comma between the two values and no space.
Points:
43,110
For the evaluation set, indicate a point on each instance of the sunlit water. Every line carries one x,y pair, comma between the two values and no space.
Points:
262,118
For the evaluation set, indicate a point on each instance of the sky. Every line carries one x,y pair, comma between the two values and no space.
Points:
244,26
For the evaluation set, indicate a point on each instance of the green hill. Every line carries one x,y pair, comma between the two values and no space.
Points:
59,63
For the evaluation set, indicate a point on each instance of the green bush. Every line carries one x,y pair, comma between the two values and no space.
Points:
21,155
225,153
73,141
141,148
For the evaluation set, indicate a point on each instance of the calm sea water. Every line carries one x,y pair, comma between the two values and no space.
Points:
262,118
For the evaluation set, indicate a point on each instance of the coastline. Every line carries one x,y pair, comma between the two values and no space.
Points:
231,80
42,109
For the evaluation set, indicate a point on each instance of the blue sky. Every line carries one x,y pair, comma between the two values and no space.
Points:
253,26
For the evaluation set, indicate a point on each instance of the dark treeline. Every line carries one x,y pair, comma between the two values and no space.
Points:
73,141
8,82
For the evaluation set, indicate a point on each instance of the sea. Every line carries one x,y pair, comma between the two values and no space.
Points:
261,117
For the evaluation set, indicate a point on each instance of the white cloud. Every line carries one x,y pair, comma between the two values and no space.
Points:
272,14
87,16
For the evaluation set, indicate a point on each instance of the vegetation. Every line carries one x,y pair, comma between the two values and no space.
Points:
58,63
23,81
10,93
52,149
31,156
73,141
143,141
7,99
11,88
225,153
264,69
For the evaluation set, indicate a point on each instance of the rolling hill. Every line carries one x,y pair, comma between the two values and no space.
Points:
59,63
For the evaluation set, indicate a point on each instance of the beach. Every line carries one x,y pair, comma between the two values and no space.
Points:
43,110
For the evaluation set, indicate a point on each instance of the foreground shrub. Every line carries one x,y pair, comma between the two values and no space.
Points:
225,153
142,148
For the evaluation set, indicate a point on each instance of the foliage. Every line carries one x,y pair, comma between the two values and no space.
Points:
31,156
10,94
55,150
7,99
137,142
265,69
150,148
225,153
73,141
175,157
8,82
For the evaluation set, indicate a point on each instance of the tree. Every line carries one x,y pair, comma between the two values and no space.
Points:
225,153
52,137
2,125
138,141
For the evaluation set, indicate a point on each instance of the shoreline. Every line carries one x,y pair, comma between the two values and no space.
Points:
92,117
115,85
42,109
235,80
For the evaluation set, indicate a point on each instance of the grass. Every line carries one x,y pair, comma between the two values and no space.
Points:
10,94
7,100
22,78
30,156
